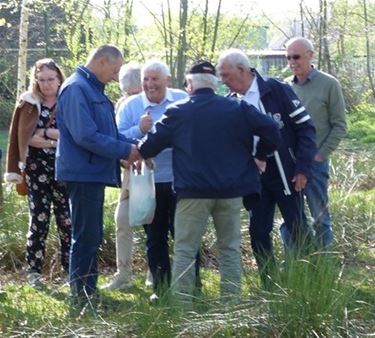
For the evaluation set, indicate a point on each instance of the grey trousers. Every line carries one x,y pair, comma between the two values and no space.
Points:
190,225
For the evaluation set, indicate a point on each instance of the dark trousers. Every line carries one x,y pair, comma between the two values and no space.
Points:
86,202
262,218
157,248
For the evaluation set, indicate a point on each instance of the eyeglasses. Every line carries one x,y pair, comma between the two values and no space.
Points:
294,57
48,81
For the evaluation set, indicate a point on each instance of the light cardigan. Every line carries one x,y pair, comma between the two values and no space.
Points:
24,121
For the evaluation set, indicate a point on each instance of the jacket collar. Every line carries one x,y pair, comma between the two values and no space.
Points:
32,99
263,86
91,77
203,91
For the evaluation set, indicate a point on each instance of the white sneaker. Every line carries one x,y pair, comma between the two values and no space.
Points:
33,278
118,282
149,280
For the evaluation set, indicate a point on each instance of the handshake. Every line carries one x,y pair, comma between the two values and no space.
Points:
135,158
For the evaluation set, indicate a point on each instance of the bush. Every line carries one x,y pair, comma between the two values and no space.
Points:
6,109
362,123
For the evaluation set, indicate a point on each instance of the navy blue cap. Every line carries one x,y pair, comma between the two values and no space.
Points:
202,67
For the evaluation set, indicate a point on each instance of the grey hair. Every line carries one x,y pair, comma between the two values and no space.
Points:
130,76
305,42
111,52
157,66
234,57
202,81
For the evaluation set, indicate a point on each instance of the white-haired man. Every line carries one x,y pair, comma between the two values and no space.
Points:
130,84
288,168
136,118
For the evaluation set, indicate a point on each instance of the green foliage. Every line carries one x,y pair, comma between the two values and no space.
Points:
3,141
362,123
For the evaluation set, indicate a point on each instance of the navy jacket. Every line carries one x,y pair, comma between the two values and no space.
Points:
89,146
297,147
212,141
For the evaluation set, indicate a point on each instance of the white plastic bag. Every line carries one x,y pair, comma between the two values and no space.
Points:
142,201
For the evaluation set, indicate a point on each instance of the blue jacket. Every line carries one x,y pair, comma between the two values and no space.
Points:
89,146
212,141
297,147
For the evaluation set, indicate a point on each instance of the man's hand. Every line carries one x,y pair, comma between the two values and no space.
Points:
134,155
125,164
261,165
299,181
146,122
149,163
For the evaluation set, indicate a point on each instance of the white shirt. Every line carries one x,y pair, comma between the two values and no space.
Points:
252,96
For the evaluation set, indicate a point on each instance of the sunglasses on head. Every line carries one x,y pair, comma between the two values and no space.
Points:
294,57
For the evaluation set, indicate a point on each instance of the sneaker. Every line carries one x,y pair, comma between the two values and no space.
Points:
154,299
118,282
34,279
149,280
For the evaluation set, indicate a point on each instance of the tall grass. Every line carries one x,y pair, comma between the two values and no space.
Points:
328,294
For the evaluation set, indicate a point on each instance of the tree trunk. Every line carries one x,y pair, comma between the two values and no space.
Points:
204,33
368,51
326,55
217,20
320,32
182,45
302,18
22,48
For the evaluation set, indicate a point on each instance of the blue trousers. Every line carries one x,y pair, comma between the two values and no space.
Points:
316,193
86,203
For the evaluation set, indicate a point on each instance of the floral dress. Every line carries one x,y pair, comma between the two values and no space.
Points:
44,190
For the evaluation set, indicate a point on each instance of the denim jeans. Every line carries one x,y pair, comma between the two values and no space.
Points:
86,203
190,225
316,192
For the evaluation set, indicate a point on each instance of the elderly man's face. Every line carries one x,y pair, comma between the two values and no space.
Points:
235,77
109,70
299,59
155,85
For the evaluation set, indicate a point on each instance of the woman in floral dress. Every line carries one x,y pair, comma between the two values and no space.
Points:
31,151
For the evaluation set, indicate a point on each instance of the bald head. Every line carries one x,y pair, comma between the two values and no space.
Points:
299,52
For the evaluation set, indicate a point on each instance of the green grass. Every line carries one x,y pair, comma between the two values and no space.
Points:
3,140
321,295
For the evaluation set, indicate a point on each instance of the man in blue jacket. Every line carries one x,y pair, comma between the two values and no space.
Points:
88,155
212,140
288,168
